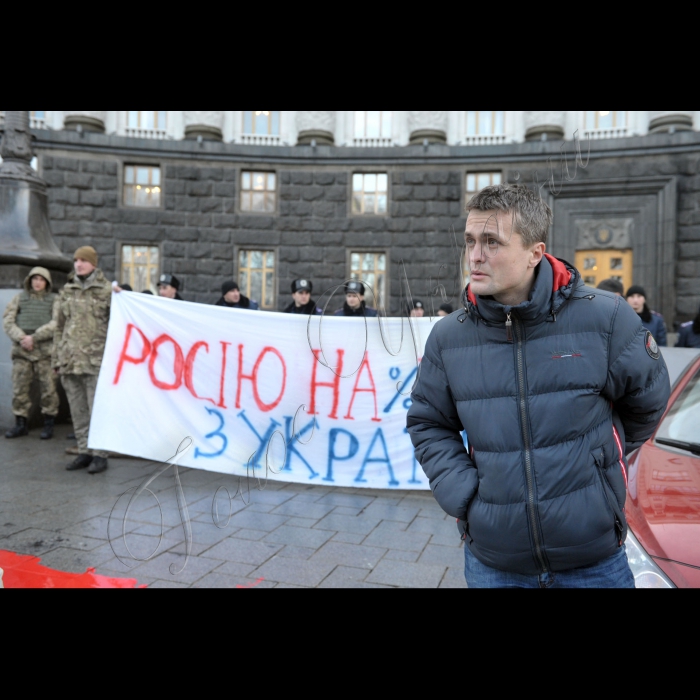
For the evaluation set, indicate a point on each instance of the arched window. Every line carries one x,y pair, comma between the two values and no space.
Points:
372,129
146,124
262,127
485,127
605,124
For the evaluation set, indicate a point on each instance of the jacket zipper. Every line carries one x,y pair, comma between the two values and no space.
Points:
526,440
618,525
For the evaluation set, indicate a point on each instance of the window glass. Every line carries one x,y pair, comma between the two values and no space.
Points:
139,266
369,193
475,182
258,191
256,276
370,268
142,186
682,420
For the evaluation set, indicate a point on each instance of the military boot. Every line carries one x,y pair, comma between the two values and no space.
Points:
19,429
80,462
47,432
99,464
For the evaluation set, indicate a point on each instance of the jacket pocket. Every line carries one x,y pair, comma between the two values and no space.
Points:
610,497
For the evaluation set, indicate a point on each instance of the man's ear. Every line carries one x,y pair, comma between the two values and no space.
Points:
536,254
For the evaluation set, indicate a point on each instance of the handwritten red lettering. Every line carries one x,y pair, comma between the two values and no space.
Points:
177,364
254,378
224,345
371,389
145,351
189,368
334,384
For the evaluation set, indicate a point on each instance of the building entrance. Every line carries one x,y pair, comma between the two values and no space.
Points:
600,264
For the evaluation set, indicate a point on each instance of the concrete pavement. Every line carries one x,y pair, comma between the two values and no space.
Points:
284,535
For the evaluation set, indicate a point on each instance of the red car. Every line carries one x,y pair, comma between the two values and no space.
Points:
663,488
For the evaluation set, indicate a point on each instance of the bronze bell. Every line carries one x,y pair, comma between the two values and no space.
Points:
25,232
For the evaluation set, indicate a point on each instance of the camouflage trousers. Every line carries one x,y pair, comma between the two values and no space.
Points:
23,372
80,390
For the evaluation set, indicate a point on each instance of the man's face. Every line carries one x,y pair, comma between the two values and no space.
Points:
500,265
167,291
636,301
417,313
38,283
82,267
301,297
233,296
353,300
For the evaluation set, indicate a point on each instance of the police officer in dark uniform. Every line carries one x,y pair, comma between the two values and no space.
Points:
168,286
355,301
303,303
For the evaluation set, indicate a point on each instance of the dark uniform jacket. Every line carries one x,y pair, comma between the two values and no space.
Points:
687,337
309,309
550,407
654,322
242,303
362,310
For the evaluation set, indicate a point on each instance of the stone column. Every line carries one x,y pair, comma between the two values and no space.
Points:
670,122
544,126
430,126
87,121
315,126
208,125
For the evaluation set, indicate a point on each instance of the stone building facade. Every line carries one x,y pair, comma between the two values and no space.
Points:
635,206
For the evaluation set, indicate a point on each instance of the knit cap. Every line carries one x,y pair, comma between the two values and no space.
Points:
86,252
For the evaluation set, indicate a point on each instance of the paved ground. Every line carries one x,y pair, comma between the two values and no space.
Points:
287,535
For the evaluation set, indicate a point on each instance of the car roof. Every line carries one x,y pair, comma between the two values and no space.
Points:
677,361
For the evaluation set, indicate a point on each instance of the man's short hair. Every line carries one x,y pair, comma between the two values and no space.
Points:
611,285
532,216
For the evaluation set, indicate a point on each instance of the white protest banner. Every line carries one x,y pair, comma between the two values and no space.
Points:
319,401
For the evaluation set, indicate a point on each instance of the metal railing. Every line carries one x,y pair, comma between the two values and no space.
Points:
372,142
611,133
144,133
484,139
260,139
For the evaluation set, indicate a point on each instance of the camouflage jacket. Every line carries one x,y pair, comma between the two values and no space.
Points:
43,336
82,317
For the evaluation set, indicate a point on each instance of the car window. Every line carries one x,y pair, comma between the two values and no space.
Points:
682,422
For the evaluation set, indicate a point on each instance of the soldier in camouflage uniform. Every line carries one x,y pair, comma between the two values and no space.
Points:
30,323
81,331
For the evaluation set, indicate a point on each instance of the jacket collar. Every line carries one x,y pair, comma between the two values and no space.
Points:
555,280
94,279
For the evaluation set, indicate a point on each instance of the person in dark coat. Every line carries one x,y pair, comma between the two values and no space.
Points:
232,298
445,310
303,303
689,334
611,285
554,384
168,286
416,309
355,301
651,320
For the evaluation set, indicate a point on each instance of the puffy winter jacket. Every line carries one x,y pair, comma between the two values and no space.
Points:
542,487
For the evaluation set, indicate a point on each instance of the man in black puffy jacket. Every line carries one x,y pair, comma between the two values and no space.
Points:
554,383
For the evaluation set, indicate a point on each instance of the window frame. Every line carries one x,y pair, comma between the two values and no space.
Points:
237,248
250,212
122,184
361,250
386,172
269,133
149,244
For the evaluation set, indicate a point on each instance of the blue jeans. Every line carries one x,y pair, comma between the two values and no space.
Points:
613,572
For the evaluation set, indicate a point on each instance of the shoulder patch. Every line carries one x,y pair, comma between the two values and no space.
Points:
651,347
